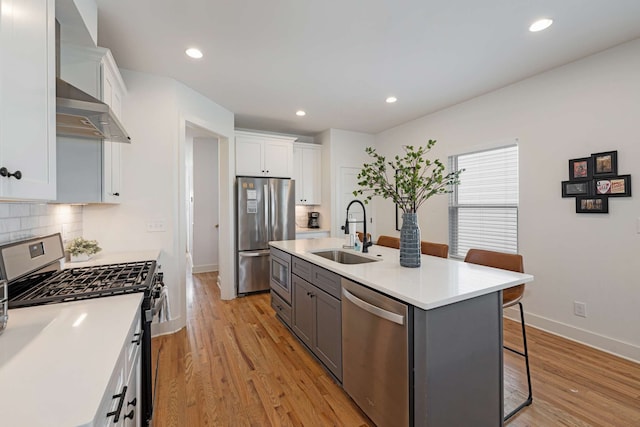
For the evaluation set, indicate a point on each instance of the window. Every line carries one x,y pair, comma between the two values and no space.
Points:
483,209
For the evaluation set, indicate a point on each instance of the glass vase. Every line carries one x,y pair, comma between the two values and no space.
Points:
410,240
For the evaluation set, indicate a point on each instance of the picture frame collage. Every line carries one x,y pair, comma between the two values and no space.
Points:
593,180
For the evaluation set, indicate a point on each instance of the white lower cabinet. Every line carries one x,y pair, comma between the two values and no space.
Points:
121,401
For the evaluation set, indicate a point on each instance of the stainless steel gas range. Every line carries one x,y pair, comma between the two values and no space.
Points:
32,275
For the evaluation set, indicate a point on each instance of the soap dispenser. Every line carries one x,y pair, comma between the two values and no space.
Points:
350,237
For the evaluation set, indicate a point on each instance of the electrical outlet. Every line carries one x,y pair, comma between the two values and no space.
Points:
156,226
580,308
66,232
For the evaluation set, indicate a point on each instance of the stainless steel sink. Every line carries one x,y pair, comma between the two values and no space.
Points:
344,257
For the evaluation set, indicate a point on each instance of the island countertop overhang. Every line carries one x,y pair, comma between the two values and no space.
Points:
438,282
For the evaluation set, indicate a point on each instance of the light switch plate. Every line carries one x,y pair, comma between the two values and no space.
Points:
156,226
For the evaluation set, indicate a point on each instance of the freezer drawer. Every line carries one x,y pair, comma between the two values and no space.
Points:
253,271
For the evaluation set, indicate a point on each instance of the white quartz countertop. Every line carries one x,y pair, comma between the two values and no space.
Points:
438,281
56,360
104,258
302,230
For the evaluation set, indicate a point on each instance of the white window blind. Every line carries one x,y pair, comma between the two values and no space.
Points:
483,208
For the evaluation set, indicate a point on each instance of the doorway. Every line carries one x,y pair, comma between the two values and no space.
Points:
202,199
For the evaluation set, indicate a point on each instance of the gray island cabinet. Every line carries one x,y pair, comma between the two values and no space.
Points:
453,325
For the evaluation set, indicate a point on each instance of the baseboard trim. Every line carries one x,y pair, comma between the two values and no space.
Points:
618,348
206,268
167,328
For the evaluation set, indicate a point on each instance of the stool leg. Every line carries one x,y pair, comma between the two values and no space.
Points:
529,399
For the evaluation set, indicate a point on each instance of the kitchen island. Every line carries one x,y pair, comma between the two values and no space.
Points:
454,327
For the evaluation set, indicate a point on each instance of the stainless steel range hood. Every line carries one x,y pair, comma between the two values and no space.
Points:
80,114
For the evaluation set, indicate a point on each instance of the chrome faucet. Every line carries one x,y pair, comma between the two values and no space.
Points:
365,244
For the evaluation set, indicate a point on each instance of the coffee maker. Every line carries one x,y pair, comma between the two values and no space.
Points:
314,220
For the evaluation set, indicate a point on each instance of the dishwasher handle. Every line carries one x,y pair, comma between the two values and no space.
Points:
375,310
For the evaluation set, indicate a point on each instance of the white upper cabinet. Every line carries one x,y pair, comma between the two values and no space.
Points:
264,155
90,171
79,21
113,90
307,173
27,101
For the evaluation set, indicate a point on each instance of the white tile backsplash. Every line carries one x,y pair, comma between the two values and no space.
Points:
19,210
29,222
9,225
39,209
20,221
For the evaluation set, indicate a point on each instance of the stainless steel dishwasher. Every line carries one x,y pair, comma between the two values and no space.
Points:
375,354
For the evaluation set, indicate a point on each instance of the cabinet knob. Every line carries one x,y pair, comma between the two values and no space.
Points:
5,172
133,402
116,194
130,414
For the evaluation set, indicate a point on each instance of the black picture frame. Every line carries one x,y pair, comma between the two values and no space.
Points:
581,169
592,204
398,218
577,188
605,164
616,186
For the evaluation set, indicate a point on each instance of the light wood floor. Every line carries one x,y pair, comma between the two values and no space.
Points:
236,365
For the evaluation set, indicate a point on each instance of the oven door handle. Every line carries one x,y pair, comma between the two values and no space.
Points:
155,306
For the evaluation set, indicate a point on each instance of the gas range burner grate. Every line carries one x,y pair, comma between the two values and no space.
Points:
81,283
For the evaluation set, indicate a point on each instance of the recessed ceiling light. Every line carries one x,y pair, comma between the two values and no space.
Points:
540,24
194,53
300,113
391,99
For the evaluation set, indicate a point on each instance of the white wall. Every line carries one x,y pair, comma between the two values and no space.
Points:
588,106
155,114
205,205
341,148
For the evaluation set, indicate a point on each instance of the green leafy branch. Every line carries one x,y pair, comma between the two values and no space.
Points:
408,180
81,246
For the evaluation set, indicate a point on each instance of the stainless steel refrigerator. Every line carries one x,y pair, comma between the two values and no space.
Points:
265,211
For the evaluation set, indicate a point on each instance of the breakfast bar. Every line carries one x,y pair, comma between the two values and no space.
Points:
453,326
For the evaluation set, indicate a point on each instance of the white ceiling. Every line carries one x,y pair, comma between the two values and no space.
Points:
340,59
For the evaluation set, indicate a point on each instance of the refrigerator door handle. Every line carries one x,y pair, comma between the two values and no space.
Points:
267,203
254,254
